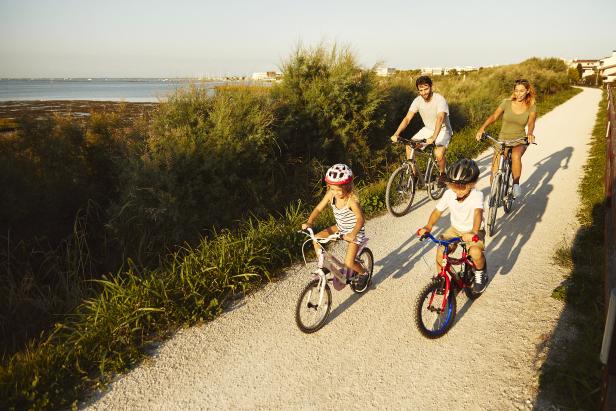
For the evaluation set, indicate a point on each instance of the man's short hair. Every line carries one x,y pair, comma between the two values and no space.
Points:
421,80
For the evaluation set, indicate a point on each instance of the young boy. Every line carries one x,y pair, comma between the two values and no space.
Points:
465,206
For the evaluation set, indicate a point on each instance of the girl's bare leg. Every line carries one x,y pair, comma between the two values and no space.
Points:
349,259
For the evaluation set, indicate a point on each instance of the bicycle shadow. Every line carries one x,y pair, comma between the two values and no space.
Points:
404,257
514,229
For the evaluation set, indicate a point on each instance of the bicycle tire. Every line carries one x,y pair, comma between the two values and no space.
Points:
507,187
493,204
423,313
366,259
434,191
400,191
311,290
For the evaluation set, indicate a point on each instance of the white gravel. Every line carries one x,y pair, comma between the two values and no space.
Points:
369,354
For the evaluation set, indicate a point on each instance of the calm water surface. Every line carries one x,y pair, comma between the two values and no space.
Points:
139,90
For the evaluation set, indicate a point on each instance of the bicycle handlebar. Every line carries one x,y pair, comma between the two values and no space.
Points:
310,233
454,240
411,142
508,142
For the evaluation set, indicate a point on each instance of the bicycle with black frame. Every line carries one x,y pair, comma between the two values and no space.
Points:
501,188
405,179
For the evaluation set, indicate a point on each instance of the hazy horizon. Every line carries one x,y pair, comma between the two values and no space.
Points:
194,39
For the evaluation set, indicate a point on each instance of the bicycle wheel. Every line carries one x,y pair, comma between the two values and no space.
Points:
434,191
493,204
433,321
366,259
400,191
310,316
507,187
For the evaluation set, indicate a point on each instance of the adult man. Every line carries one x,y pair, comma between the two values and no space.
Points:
434,112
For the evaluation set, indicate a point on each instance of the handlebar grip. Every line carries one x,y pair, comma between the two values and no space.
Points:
475,238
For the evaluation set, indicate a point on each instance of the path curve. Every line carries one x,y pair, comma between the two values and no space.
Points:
369,354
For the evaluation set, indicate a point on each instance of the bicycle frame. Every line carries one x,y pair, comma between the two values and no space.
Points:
446,265
412,162
503,150
327,260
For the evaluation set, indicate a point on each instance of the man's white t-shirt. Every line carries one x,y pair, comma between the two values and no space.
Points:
462,213
429,109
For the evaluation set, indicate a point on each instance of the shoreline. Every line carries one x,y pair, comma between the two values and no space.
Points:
13,110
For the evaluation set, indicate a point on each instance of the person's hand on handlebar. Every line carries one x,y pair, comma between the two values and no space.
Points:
470,238
306,226
531,139
395,138
422,231
479,135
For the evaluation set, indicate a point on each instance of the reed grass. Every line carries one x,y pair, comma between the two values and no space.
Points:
161,190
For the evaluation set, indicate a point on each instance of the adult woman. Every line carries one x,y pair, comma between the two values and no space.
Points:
519,112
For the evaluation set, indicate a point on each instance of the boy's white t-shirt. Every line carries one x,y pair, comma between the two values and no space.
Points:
428,111
462,213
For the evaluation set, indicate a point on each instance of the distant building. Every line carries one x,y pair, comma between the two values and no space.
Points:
385,71
588,66
432,71
607,68
266,76
439,71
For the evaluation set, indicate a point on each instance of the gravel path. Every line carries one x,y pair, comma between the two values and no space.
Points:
369,354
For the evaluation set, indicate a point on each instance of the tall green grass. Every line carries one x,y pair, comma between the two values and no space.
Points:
574,379
187,222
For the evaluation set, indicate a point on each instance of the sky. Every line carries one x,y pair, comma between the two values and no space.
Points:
195,38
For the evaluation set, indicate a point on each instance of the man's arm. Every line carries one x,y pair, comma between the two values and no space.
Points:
403,125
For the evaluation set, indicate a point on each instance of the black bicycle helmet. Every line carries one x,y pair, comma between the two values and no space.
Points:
463,171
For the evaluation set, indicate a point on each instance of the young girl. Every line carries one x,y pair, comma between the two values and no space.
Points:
465,206
347,212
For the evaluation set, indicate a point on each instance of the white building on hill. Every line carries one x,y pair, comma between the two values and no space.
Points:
265,76
607,68
385,71
588,66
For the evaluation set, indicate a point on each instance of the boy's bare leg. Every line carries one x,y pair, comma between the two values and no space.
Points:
476,254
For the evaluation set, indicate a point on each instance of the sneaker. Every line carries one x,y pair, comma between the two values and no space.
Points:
480,281
516,191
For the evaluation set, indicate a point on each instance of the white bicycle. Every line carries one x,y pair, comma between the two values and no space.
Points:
314,302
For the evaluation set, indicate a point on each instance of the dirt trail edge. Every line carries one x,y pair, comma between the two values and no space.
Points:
369,354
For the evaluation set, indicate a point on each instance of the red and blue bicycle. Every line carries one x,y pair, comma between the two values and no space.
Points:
436,305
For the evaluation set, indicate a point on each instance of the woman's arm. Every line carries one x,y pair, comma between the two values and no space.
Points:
531,127
497,113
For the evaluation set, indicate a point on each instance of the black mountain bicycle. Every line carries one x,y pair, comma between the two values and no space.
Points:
501,190
404,180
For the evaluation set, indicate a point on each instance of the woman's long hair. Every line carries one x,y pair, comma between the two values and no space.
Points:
531,97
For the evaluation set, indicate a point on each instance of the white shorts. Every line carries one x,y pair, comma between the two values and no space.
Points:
442,139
